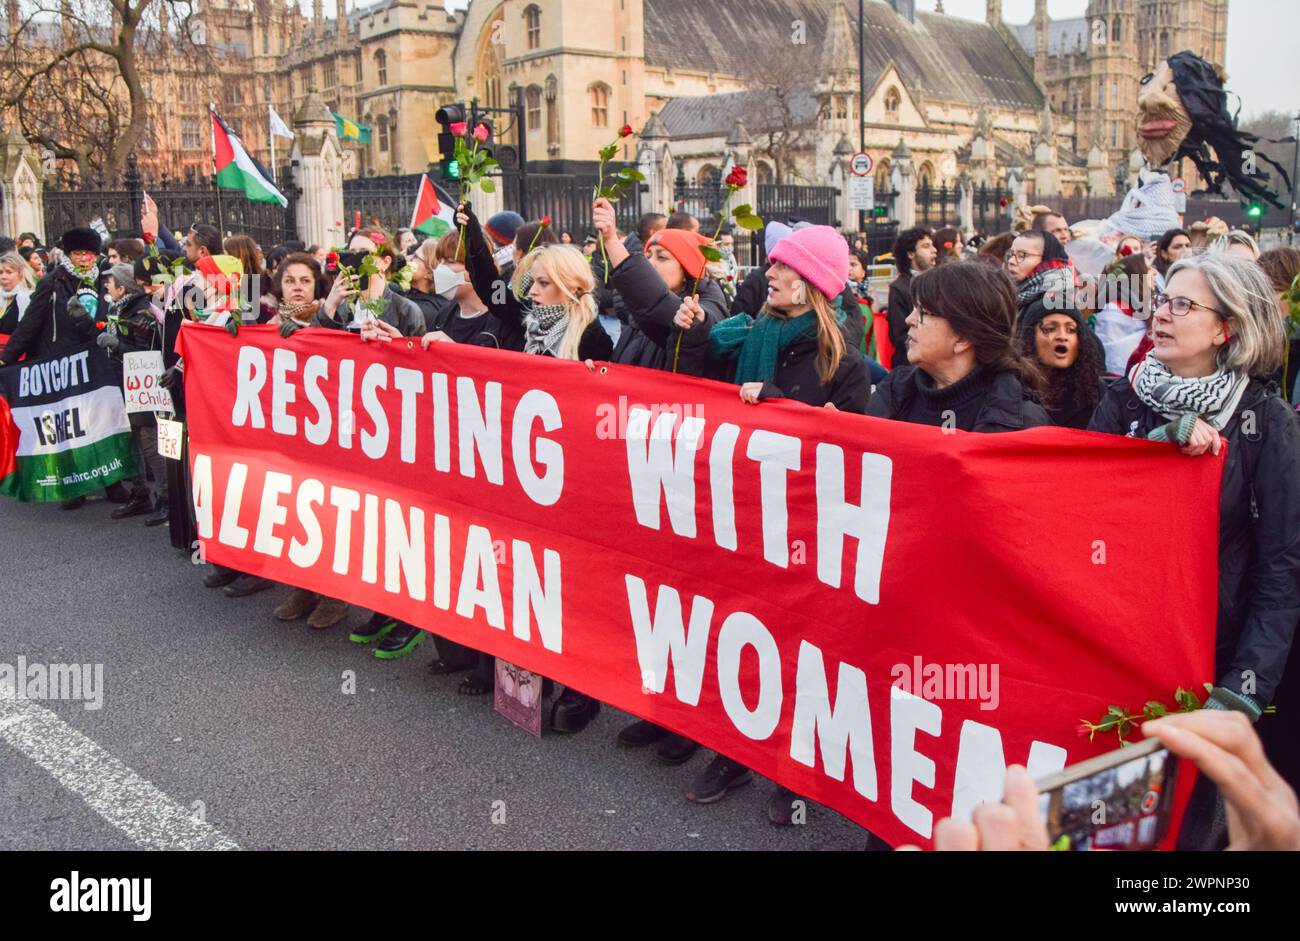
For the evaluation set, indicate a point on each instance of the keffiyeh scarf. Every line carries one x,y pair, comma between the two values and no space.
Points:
545,326
1213,398
1049,276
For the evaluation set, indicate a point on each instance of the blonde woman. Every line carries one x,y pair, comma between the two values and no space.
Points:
561,319
547,305
16,283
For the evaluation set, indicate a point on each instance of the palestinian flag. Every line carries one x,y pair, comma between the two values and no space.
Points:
63,427
350,130
237,170
435,212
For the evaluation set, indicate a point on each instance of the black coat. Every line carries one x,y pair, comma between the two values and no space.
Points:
47,328
1259,558
899,309
434,307
649,338
1003,404
493,287
138,330
752,293
608,300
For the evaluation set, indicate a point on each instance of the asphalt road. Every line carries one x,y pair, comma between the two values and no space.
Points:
211,699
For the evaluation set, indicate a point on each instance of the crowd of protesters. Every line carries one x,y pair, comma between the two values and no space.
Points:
998,335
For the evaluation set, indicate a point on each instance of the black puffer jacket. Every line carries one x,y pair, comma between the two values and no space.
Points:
752,293
137,329
48,328
1259,530
608,300
995,403
649,338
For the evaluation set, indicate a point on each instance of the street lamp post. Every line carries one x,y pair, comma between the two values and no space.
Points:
862,98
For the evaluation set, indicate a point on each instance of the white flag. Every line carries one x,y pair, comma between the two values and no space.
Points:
278,127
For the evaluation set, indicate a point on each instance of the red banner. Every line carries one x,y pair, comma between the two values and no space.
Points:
880,616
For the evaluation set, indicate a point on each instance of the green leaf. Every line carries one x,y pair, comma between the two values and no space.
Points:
627,173
608,151
750,222
744,209
1154,709
487,186
711,253
1187,700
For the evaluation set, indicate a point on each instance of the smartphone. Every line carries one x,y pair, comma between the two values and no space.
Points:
1117,801
352,260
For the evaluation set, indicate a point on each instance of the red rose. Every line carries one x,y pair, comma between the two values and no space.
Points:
947,244
737,177
1083,730
148,238
625,131
458,128
101,324
546,220
1126,250
480,133
1002,203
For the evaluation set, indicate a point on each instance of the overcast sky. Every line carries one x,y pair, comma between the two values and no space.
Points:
1263,64
1263,67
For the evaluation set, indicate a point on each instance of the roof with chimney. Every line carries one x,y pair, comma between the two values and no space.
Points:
947,58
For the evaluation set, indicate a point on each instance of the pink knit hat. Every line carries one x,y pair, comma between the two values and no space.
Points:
819,254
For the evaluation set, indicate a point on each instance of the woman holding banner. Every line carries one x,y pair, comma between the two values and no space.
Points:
795,349
1218,339
965,369
16,283
670,276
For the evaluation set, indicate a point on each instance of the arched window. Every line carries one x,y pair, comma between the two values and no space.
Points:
882,177
533,94
266,89
1164,44
381,125
892,102
1115,32
1114,94
766,176
599,105
709,175
357,67
533,25
925,176
381,66
491,61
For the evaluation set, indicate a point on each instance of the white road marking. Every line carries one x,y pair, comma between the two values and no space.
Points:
150,818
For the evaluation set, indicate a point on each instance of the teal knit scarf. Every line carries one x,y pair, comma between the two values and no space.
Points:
756,344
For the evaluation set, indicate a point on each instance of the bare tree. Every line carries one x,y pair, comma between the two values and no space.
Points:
780,113
1274,126
79,72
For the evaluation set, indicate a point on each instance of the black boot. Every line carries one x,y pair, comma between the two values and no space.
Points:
138,505
721,776
572,711
118,493
161,516
76,503
247,585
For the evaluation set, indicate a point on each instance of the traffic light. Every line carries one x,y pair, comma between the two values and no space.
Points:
447,115
1256,209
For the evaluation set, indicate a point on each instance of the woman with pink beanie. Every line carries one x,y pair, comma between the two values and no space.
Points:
795,348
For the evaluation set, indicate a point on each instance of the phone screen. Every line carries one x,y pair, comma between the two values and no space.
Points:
1118,801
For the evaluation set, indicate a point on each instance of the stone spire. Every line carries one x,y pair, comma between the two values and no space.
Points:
993,12
839,64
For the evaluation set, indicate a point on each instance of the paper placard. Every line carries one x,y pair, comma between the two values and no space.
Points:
141,372
171,436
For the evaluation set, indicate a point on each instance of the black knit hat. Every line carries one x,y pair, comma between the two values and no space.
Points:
81,240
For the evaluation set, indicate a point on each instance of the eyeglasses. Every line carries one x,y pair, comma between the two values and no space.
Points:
1181,306
1019,257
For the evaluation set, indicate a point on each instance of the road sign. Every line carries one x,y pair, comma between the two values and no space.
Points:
861,164
1179,186
862,193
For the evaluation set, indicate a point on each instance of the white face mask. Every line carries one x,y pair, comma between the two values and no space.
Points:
446,281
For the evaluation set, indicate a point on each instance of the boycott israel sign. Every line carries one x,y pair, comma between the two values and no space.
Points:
880,616
70,434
